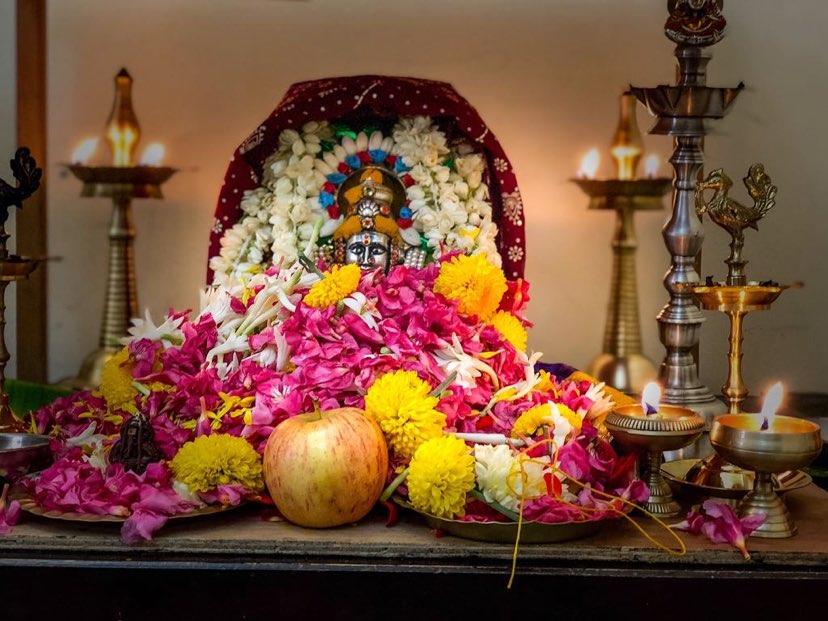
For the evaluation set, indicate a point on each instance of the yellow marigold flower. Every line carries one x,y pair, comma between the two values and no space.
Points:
510,328
440,475
475,283
116,381
336,285
220,459
403,407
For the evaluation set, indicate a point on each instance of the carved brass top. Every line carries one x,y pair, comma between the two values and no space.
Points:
734,217
695,22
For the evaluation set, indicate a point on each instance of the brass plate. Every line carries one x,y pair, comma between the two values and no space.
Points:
675,471
28,505
506,532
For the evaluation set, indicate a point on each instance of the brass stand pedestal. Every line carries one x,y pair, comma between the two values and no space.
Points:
621,363
121,184
12,267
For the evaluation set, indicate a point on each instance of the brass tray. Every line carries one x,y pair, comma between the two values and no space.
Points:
675,471
28,505
506,532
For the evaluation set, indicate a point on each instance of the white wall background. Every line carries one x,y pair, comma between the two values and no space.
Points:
543,74
8,144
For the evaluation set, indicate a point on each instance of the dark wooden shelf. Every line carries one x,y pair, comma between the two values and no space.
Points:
331,571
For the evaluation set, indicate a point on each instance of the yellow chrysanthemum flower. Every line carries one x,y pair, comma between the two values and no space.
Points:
510,328
475,283
117,386
220,459
542,415
336,285
440,475
403,407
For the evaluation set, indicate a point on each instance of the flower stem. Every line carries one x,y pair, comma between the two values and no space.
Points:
495,505
309,265
444,384
392,487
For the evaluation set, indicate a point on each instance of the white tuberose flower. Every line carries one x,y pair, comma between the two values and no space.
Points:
168,332
452,359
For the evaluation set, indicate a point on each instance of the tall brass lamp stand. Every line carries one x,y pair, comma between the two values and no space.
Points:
122,182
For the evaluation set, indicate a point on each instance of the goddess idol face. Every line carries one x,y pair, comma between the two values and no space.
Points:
369,250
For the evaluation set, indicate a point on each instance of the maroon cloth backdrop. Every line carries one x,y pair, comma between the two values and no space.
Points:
335,98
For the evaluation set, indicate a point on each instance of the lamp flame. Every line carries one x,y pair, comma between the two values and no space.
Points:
122,140
773,399
153,154
651,166
650,398
84,151
590,163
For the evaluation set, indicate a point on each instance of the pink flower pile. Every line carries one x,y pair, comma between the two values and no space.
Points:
334,355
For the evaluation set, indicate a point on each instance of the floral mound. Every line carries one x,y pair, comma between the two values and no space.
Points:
408,347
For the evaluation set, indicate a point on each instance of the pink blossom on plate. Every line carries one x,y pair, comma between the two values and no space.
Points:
719,523
9,512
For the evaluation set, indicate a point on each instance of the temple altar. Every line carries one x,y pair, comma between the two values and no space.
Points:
238,555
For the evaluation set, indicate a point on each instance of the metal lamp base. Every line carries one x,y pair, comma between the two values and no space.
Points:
660,502
764,499
89,376
626,373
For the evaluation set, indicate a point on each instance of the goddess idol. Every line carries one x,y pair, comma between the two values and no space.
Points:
370,234
375,171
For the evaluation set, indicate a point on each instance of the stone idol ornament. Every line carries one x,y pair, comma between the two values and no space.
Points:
370,235
369,170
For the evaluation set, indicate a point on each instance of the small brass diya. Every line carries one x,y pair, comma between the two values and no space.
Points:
669,428
766,445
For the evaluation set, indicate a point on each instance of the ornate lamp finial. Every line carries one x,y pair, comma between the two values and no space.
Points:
735,217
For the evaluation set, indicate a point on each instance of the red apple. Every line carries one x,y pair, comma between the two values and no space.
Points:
326,468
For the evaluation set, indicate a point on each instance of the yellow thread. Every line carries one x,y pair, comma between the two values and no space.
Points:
585,511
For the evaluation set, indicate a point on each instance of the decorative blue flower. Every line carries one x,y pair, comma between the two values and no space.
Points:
400,167
336,178
405,212
353,161
378,155
326,199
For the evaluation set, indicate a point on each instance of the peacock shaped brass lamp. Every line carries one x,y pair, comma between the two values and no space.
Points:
736,296
621,363
122,182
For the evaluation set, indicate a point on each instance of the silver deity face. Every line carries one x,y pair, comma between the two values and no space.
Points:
369,250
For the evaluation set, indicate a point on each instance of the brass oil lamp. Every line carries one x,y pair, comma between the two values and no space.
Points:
123,181
652,428
767,444
621,363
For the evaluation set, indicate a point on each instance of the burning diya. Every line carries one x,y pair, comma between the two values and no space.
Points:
767,444
655,427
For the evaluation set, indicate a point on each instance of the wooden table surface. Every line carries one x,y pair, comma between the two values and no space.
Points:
240,548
